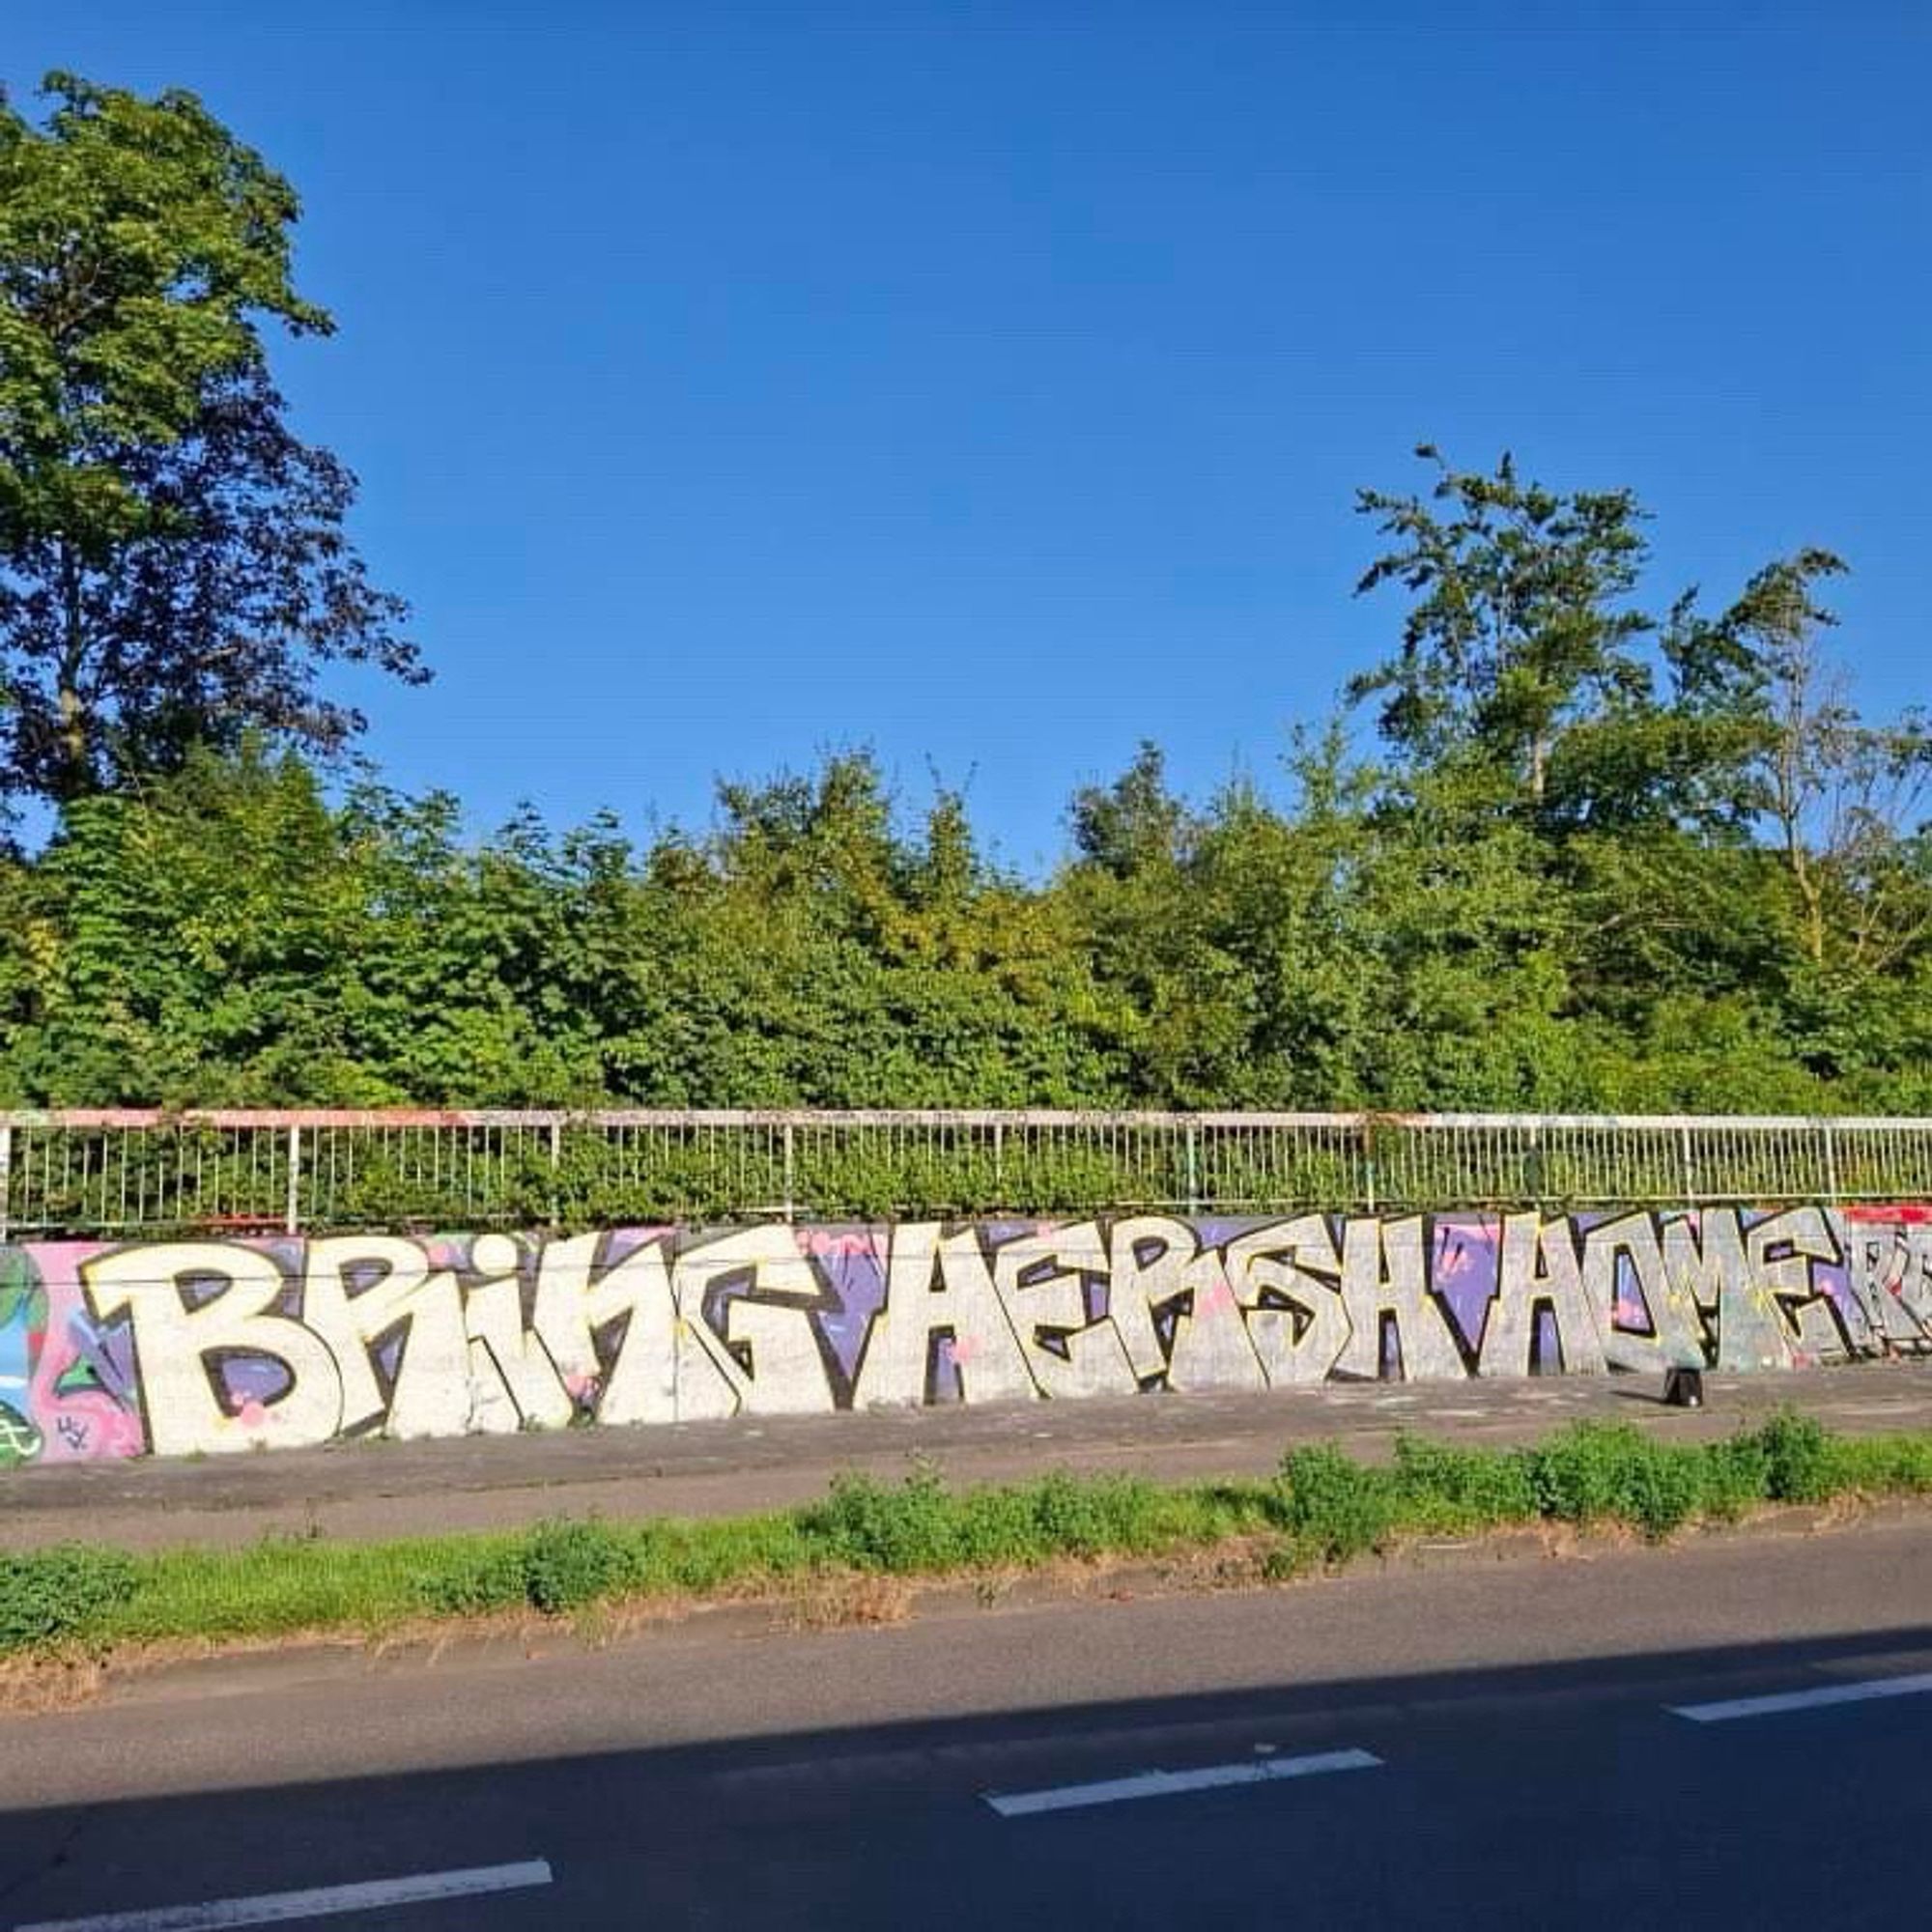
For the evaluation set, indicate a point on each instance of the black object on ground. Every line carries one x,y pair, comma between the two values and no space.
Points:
1684,1388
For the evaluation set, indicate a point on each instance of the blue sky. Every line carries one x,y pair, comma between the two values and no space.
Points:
989,383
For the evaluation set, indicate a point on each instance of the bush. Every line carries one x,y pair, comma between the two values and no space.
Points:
1581,1474
1472,1488
556,1567
1798,1458
921,1526
1087,1517
478,1578
48,1595
1663,1488
867,1526
998,1526
1737,1473
1336,1506
1595,1470
568,1564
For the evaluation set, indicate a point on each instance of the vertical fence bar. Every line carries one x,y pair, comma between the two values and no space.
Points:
6,1179
790,1171
291,1214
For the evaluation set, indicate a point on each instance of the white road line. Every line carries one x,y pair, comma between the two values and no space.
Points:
1172,1783
1804,1700
271,1908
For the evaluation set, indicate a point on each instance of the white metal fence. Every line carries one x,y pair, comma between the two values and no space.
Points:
102,1172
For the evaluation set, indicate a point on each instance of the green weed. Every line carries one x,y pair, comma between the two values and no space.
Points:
1322,1508
48,1595
1337,1507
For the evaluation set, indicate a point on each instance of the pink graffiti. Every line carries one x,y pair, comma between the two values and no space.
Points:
824,1242
84,1424
1214,1296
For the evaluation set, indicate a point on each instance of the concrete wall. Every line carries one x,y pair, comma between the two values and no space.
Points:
203,1346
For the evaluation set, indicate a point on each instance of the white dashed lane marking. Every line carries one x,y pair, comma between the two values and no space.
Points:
272,1908
1174,1783
1804,1700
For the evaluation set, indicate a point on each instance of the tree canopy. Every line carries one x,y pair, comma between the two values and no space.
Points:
1719,899
1604,849
174,565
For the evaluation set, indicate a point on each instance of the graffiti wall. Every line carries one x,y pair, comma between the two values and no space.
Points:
197,1347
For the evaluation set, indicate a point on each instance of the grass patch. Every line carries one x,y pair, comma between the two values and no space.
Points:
1322,1508
1335,1508
61,1593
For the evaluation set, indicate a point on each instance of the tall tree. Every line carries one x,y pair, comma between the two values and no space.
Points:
174,566
1134,823
1519,623
1847,798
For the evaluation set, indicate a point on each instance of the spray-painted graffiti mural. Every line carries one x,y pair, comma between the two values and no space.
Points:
202,1345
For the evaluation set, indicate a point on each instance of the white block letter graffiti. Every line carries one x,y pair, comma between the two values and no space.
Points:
195,1306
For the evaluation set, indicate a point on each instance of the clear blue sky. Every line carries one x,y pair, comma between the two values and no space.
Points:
988,382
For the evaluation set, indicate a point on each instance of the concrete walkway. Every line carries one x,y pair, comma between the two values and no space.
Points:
376,1488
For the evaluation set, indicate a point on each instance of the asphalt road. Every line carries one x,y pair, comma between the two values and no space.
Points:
1514,1759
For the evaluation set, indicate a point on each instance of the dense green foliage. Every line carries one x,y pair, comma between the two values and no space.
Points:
52,1595
1661,866
1322,1508
173,561
1615,854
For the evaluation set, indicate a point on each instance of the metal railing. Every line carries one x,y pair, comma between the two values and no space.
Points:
119,1173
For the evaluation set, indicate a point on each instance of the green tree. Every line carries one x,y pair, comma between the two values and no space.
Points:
173,561
191,941
1518,624
1846,796
1134,823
